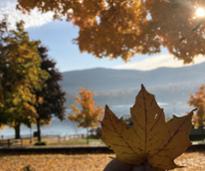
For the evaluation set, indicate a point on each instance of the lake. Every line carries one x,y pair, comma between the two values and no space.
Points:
63,128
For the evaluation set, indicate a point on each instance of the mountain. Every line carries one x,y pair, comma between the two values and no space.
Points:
172,86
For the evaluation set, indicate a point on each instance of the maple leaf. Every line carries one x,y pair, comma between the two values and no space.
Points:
149,140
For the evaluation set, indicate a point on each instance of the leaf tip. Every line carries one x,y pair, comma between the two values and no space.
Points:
107,111
192,112
106,108
143,87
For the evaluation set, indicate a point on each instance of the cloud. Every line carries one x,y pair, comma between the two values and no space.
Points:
157,61
34,19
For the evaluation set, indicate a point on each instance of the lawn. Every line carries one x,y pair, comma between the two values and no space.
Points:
193,161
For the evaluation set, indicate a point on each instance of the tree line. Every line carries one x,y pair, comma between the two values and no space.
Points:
29,81
30,92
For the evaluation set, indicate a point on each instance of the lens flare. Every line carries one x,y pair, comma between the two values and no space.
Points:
200,12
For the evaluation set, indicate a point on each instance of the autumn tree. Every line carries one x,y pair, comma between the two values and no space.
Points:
51,98
198,100
84,111
113,28
20,75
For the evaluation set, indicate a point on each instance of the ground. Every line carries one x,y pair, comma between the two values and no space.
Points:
194,161
52,141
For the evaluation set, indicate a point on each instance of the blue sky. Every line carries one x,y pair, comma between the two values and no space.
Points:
58,36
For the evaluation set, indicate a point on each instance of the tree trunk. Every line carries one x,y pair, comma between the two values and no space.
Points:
17,131
38,124
87,136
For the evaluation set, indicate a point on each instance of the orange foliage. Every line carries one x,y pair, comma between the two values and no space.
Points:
198,100
123,28
88,115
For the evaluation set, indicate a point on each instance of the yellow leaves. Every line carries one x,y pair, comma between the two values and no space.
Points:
29,110
22,74
23,58
149,140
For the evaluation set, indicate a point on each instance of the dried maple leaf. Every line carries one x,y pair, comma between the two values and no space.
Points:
149,140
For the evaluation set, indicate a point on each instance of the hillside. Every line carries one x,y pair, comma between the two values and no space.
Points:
171,86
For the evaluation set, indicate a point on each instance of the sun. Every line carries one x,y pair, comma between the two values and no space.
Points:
200,12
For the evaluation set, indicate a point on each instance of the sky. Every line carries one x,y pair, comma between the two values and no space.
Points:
58,37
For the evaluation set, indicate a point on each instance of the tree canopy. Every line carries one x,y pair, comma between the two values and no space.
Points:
123,28
20,74
51,98
84,110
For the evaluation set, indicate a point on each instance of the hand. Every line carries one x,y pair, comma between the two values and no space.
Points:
116,165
